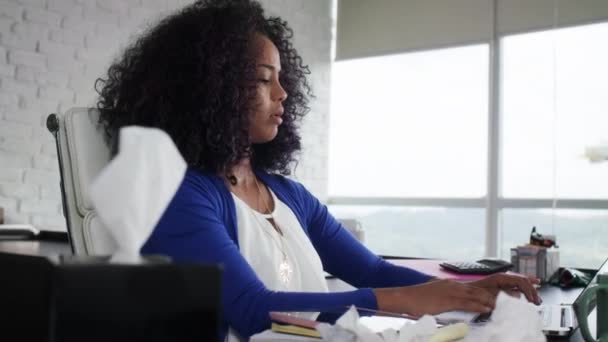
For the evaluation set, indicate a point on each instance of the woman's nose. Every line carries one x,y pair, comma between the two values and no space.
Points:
280,93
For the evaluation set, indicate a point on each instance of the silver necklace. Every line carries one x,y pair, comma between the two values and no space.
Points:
285,269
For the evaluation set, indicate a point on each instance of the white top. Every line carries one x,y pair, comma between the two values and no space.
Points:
262,246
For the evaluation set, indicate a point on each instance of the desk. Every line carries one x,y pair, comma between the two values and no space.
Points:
550,295
35,247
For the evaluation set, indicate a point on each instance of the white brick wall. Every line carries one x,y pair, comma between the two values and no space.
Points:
51,52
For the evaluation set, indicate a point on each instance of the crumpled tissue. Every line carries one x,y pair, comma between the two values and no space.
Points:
513,320
349,328
133,191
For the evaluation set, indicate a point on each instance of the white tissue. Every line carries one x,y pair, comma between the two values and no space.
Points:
513,320
422,331
132,192
351,328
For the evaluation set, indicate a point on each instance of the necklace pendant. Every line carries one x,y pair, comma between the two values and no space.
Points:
285,271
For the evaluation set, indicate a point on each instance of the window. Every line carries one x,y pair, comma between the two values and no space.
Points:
554,105
419,231
417,129
409,156
416,116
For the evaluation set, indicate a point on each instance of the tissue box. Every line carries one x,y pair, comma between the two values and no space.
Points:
91,300
540,262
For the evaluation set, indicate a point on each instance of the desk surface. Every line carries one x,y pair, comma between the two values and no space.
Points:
550,294
35,247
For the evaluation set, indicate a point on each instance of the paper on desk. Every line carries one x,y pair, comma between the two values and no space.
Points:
351,328
513,320
133,191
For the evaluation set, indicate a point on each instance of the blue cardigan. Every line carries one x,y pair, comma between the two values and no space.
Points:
200,226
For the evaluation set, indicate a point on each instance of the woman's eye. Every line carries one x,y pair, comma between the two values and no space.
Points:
263,80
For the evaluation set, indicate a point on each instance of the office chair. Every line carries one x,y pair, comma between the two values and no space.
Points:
82,153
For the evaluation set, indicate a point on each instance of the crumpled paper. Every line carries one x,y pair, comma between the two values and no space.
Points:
348,328
513,320
133,191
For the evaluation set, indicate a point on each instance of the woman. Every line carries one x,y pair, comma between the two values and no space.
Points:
227,85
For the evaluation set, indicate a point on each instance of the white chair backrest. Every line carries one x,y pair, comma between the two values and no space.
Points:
82,154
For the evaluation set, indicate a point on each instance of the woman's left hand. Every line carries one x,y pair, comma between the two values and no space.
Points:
511,284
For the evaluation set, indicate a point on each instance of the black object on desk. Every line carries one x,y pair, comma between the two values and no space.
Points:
96,301
483,266
28,232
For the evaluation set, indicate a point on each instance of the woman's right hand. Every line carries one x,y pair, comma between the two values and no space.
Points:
434,297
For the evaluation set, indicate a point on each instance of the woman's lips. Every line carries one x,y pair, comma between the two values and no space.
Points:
277,119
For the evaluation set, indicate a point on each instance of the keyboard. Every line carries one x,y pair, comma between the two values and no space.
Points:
484,266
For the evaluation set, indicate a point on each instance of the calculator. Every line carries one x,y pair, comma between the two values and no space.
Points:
483,266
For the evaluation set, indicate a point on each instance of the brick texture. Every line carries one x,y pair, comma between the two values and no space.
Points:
51,52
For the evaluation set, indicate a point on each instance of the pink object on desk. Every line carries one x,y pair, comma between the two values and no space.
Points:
432,268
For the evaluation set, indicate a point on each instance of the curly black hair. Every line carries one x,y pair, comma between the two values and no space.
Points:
192,75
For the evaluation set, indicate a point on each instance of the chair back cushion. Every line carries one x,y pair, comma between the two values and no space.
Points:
88,152
83,154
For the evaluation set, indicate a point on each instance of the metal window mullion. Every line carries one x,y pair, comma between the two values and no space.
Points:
458,202
410,201
494,129
545,203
